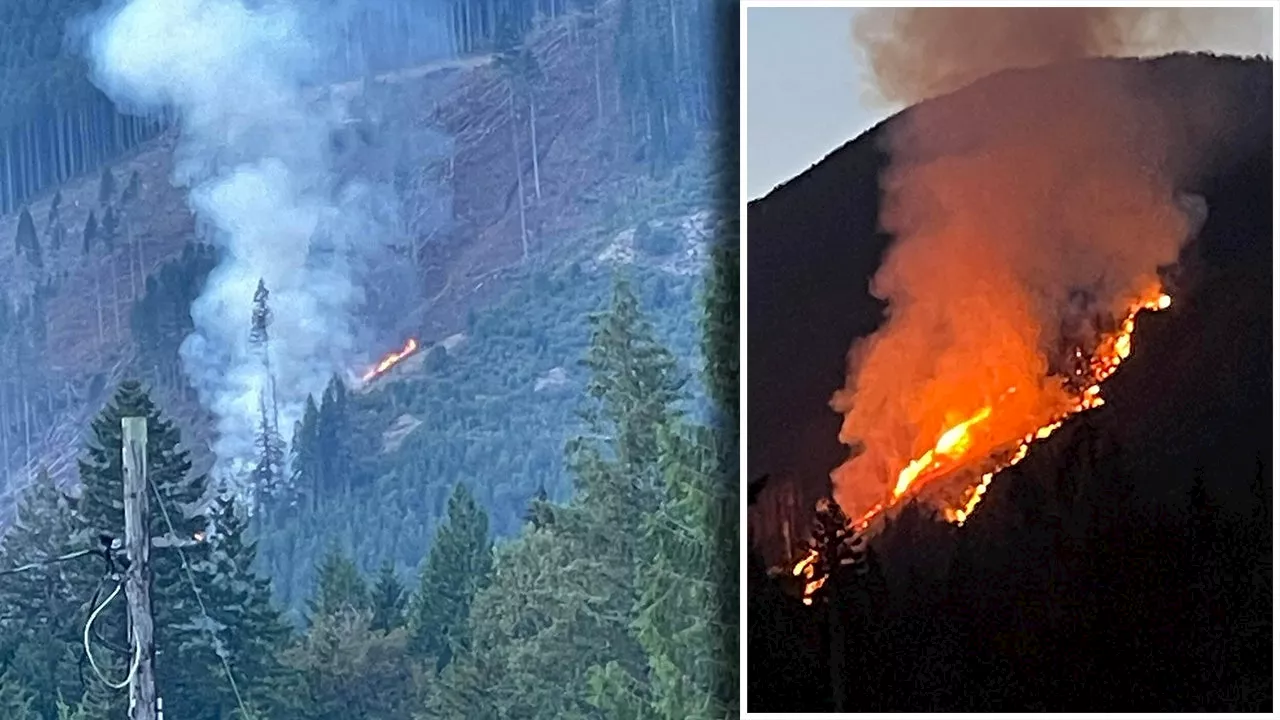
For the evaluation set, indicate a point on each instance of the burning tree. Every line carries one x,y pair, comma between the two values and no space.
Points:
268,474
833,541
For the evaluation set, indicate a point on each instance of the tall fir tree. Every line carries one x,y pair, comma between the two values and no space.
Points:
38,607
26,241
555,627
251,632
339,587
457,567
334,431
108,229
389,599
186,661
304,460
269,470
90,233
106,186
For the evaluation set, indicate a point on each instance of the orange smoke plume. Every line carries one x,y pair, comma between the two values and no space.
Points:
1030,215
918,53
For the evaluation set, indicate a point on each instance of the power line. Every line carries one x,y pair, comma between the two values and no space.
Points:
44,563
191,580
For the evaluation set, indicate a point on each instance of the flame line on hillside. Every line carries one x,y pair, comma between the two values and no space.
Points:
391,359
1113,350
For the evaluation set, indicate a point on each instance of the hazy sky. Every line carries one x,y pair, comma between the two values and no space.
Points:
804,82
802,91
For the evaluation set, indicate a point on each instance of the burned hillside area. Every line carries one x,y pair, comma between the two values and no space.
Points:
1124,566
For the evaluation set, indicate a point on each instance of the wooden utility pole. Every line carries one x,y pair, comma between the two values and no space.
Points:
137,539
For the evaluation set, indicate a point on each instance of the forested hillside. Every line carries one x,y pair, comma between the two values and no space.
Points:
618,602
451,137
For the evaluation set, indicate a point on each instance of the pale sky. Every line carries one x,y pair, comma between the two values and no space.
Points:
802,91
805,79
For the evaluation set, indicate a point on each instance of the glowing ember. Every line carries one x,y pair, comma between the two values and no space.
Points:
391,359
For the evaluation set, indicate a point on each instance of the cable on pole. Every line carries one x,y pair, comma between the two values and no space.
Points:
137,649
191,580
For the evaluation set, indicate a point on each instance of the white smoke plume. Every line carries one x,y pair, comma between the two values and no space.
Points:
254,150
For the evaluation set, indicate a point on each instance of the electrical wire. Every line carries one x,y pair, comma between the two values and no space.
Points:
51,561
191,580
137,647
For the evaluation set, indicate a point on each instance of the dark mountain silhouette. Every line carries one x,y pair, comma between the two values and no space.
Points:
1125,565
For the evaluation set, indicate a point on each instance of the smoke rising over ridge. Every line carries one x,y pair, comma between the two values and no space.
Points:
916,53
254,150
1026,213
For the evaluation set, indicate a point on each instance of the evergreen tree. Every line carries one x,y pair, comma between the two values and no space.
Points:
17,702
268,470
333,435
268,473
90,233
109,229
106,186
252,634
26,240
186,662
555,629
389,600
346,670
132,190
339,587
680,620
37,606
458,566
304,462
541,512
720,332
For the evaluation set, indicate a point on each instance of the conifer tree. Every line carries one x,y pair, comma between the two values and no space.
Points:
720,332
108,229
26,240
304,461
252,634
457,567
339,587
90,234
17,701
389,600
106,186
185,663
38,605
132,190
680,621
333,432
558,616
268,474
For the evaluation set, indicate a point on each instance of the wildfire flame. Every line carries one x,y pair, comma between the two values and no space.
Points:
388,362
953,444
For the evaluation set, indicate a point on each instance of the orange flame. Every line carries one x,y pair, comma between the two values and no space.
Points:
1112,351
952,445
391,359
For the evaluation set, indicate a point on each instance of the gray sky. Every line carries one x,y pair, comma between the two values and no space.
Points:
802,91
804,82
